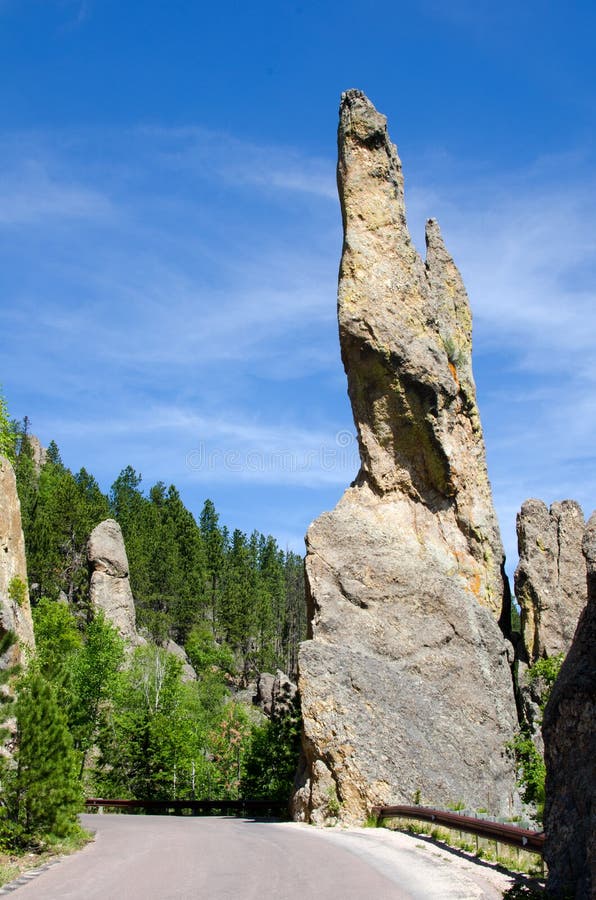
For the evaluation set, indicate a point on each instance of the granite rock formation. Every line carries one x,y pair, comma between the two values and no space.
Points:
405,684
109,588
569,732
550,580
275,694
38,452
15,611
188,673
550,585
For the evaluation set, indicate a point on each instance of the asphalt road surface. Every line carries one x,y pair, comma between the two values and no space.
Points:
183,858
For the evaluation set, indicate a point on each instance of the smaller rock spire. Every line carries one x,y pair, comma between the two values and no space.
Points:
109,588
550,579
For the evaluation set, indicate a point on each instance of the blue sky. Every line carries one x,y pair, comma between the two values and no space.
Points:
170,234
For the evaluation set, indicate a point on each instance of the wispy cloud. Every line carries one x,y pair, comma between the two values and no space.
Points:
30,195
241,162
528,264
227,447
154,281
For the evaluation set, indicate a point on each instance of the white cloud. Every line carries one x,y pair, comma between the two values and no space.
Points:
224,447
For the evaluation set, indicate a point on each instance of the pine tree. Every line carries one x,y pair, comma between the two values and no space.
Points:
236,606
296,616
214,543
26,476
53,455
7,673
66,508
189,603
42,792
272,622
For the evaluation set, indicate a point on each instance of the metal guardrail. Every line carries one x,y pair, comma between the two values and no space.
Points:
498,831
245,807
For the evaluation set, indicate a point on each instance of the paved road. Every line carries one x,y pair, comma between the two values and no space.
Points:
176,858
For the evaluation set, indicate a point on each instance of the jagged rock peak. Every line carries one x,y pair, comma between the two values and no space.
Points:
15,611
38,452
569,732
405,686
550,579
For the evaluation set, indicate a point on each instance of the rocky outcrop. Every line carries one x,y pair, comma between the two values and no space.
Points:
275,694
405,685
109,588
550,580
15,611
569,732
550,586
188,673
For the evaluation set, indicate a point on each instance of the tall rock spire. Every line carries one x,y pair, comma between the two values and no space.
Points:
406,685
406,337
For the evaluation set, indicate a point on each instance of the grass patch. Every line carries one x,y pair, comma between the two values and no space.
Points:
8,870
13,865
515,859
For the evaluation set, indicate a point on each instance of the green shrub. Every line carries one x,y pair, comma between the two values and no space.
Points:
8,437
529,763
272,758
333,801
531,771
17,590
